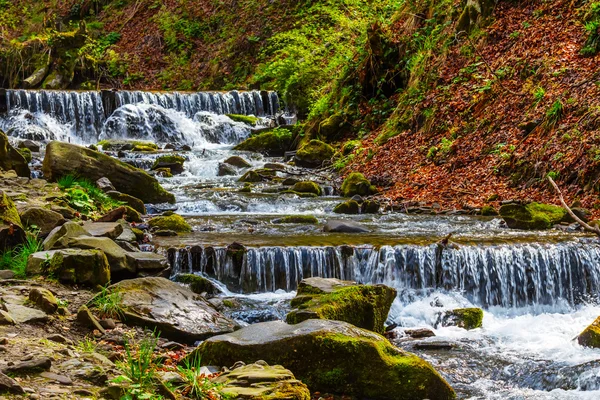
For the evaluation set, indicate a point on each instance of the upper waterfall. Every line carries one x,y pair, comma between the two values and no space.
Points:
88,116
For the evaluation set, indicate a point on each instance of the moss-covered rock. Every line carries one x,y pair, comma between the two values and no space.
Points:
26,153
347,207
331,357
237,162
68,159
467,318
297,219
198,284
44,300
11,159
313,154
533,216
132,215
11,228
173,162
590,337
260,381
133,202
246,119
258,175
299,194
73,266
333,126
307,187
171,222
370,207
41,218
272,143
163,172
356,183
119,144
488,211
365,306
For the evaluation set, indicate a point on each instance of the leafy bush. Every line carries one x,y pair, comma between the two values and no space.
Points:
84,196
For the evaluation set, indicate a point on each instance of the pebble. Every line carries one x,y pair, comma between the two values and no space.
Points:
108,323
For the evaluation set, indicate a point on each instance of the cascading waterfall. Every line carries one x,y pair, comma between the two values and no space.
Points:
502,275
86,117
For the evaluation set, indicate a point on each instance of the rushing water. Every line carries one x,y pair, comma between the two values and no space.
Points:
539,290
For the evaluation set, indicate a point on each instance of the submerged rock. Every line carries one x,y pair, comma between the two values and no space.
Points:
347,207
590,337
199,284
339,226
365,306
357,184
331,357
296,219
226,170
467,318
314,154
260,381
533,216
64,158
177,312
11,158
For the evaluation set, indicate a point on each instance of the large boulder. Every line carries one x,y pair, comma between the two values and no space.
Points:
174,310
365,306
331,357
117,257
357,184
313,154
42,218
272,143
111,230
347,207
11,228
590,337
68,159
260,381
75,266
11,158
532,216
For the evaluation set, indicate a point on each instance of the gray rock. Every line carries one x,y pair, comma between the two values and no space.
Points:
59,235
176,311
62,379
147,261
8,384
127,235
419,333
237,162
116,256
111,230
6,274
58,338
108,323
33,365
44,299
105,184
23,315
87,267
44,219
6,318
29,144
226,170
339,226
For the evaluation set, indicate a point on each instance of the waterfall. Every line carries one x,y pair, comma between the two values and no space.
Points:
86,117
491,275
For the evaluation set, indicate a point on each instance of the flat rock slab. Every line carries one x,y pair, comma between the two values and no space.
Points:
33,365
177,312
111,230
8,384
147,261
23,315
62,379
323,285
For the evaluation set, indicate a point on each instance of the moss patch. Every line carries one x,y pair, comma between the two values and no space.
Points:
246,119
198,284
273,143
171,222
347,207
467,318
356,183
590,337
313,154
299,194
307,187
297,219
533,216
488,211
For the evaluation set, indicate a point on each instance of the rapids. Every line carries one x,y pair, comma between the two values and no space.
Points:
538,289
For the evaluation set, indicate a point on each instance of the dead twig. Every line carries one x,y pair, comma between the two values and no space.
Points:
585,226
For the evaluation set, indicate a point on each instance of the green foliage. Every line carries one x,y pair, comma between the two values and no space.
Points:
592,23
195,383
87,345
246,119
108,304
84,196
554,114
16,259
539,94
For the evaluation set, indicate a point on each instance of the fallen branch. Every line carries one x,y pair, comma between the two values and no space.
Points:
585,226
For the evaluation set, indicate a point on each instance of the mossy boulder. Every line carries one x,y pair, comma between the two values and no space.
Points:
314,154
260,381
307,187
173,162
370,207
11,227
73,266
347,207
175,311
58,237
42,218
238,162
333,126
356,183
68,159
44,300
532,216
11,158
488,211
163,172
132,215
365,306
258,175
590,337
133,202
26,153
173,222
467,318
297,219
331,357
246,119
119,144
198,284
272,143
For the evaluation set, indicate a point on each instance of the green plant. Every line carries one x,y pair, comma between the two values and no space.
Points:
16,259
554,114
553,175
195,383
108,303
514,35
539,94
66,181
87,345
84,196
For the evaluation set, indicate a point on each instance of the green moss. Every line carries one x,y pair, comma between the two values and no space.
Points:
297,219
8,211
164,172
26,153
350,146
144,149
467,318
246,119
314,154
172,222
299,194
347,207
228,303
488,211
139,234
161,161
272,143
256,176
370,207
356,183
307,187
116,144
533,216
590,337
198,284
365,306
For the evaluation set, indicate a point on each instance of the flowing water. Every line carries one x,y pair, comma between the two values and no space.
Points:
539,290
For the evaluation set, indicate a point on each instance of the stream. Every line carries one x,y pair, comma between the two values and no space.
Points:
539,290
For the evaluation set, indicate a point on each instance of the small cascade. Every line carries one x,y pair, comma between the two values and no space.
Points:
510,276
86,117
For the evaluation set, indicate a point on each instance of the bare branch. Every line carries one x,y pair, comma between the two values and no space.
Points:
587,227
